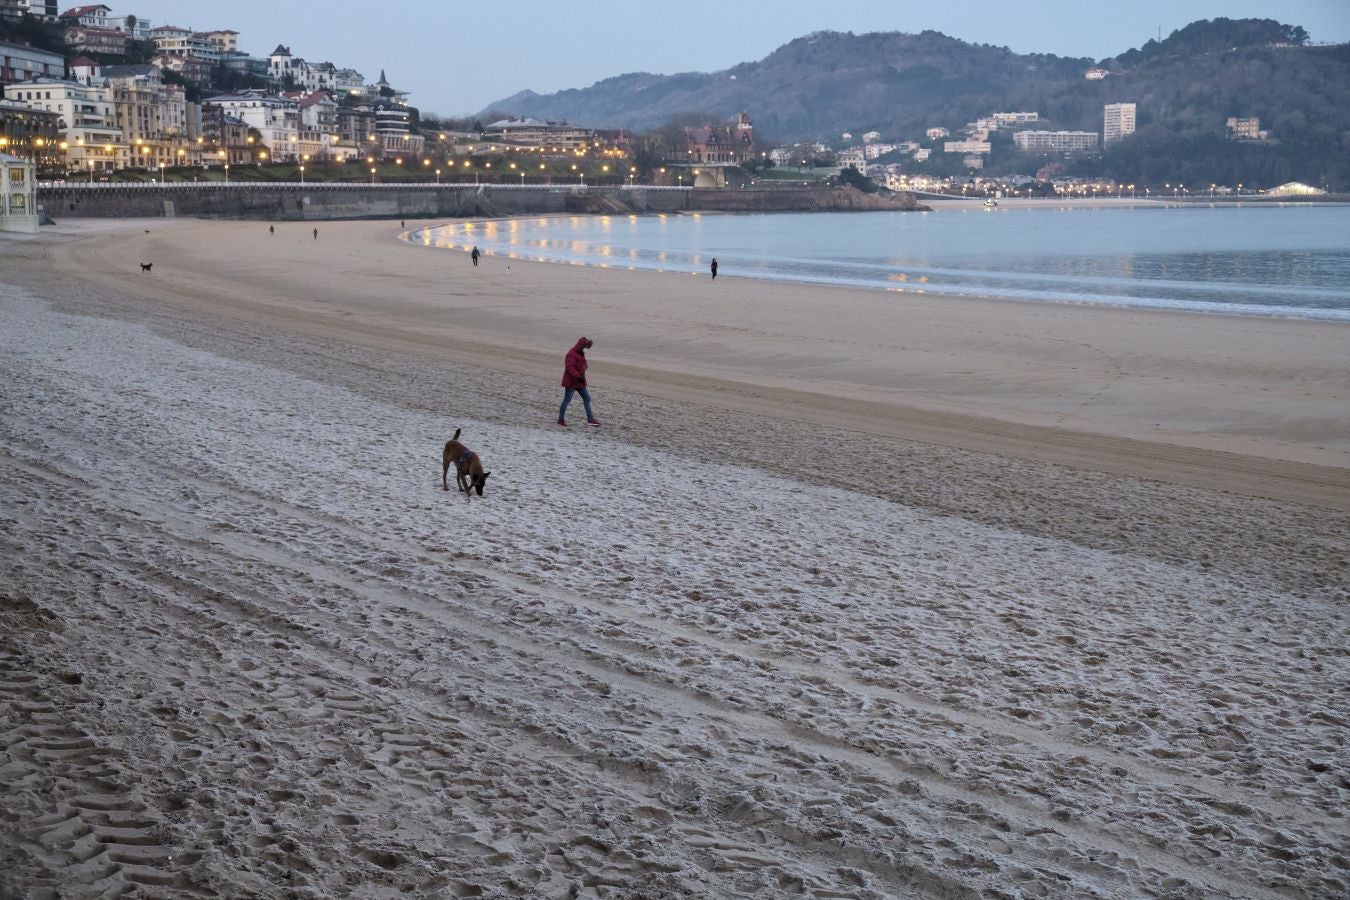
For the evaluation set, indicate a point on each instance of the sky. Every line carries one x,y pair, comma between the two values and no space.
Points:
456,59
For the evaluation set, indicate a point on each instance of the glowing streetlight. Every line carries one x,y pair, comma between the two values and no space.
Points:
372,174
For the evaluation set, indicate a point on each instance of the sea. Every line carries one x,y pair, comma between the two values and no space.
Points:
1287,260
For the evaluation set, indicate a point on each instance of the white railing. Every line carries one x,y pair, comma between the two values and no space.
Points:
348,185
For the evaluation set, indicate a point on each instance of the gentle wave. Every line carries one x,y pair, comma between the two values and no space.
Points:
1271,261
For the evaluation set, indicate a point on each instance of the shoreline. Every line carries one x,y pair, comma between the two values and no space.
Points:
1057,369
916,286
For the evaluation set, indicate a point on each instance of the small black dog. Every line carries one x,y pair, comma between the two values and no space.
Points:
145,267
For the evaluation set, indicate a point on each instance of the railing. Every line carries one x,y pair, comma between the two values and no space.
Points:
349,185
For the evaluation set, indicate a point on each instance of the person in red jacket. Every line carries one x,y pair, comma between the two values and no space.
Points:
574,382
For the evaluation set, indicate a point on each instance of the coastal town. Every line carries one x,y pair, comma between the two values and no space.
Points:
200,108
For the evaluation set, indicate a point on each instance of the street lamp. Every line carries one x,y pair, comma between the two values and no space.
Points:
227,173
372,174
302,173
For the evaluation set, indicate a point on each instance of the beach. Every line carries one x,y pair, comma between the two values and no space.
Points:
854,594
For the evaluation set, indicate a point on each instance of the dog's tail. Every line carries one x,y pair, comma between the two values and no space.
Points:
456,437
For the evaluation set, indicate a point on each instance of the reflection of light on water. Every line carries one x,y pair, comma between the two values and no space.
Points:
1160,264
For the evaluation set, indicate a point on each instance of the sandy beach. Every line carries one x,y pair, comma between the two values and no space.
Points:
854,594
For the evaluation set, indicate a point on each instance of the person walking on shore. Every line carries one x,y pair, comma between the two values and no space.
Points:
714,268
574,382
474,255
316,234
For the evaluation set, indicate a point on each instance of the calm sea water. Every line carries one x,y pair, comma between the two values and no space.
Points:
1253,260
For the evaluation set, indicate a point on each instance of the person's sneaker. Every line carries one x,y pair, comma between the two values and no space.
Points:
562,423
594,423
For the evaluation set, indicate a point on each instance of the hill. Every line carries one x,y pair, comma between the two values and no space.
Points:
1185,86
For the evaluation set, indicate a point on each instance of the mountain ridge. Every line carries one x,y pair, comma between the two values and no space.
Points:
1185,87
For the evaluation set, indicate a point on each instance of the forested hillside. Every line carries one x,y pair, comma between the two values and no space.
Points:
1185,88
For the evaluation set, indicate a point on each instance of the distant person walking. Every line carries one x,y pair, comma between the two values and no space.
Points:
574,382
271,229
714,268
316,234
474,255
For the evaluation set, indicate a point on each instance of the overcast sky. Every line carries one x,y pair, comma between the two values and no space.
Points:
457,58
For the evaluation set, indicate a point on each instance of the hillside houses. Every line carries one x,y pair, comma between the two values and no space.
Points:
166,112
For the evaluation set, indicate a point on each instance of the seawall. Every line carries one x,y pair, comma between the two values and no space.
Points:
295,202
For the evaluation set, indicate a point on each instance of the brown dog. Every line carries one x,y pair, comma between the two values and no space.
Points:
469,472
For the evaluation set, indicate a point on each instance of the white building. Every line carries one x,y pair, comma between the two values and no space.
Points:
184,42
935,133
966,147
853,156
135,26
871,137
1059,141
87,116
1016,118
94,16
275,118
1117,122
18,195
46,10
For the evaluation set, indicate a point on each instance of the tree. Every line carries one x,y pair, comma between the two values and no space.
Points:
851,177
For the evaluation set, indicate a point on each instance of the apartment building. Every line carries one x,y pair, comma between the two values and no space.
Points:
30,134
556,137
94,16
1015,118
1056,141
1117,122
183,42
85,113
137,28
853,156
966,147
303,76
46,10
1246,128
19,63
89,39
275,118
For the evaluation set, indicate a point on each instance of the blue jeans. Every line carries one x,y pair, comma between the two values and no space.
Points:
567,398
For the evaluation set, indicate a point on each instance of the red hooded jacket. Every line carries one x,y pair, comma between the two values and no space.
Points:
574,367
